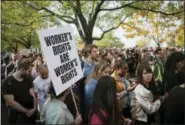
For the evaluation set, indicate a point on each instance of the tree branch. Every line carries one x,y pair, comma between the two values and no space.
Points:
79,15
79,29
62,17
19,41
117,8
106,31
94,16
155,11
18,24
155,40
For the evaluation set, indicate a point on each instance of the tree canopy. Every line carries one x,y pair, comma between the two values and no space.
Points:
19,25
156,26
21,19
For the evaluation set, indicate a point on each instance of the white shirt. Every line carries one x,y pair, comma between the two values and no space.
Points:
41,87
144,103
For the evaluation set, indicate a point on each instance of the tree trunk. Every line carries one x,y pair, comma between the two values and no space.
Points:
28,45
89,40
15,48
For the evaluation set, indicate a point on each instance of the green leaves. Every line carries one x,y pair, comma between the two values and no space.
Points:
22,18
19,24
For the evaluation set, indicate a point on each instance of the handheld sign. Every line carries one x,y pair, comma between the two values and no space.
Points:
59,50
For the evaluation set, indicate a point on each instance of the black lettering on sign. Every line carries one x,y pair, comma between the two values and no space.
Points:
75,72
56,39
57,71
68,76
64,57
71,63
47,40
58,49
62,48
65,36
53,40
63,79
64,68
70,37
69,47
55,50
76,63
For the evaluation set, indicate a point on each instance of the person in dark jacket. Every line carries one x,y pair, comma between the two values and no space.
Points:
174,64
173,107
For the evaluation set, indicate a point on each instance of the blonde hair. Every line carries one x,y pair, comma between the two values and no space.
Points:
101,66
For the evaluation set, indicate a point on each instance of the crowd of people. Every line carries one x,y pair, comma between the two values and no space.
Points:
120,86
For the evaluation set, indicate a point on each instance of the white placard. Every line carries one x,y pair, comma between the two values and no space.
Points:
59,50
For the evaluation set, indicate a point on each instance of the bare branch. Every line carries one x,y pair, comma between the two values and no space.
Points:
94,16
155,40
117,8
155,11
65,18
106,31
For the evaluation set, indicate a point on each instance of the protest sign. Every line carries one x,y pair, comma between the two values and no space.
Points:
59,50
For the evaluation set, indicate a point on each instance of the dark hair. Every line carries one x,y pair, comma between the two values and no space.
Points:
53,93
24,64
181,77
105,99
172,60
157,50
119,64
140,72
152,86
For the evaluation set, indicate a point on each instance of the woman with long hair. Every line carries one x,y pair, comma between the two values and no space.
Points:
175,62
144,103
90,84
173,106
104,106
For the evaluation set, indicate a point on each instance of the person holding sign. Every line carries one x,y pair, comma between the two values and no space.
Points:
55,111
